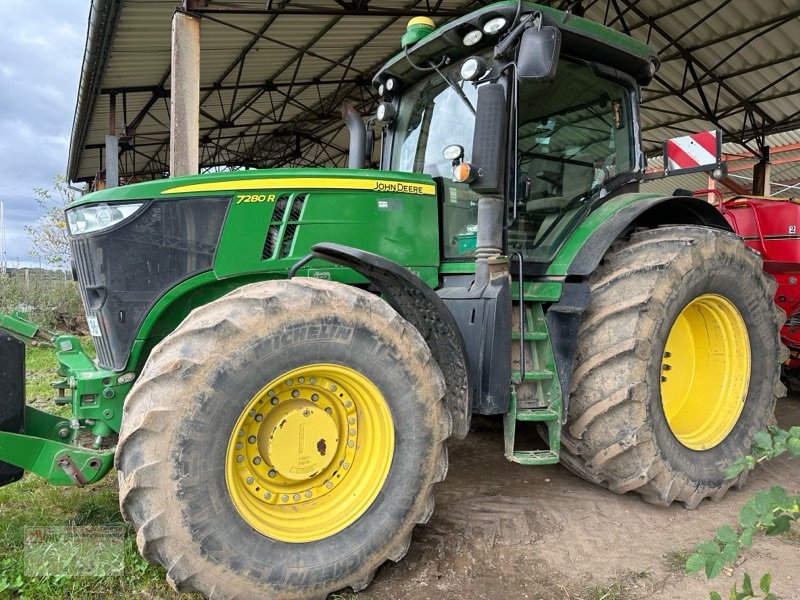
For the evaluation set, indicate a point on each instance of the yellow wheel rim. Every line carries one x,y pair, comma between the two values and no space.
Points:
705,372
309,453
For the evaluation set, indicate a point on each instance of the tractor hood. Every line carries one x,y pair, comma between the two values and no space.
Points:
228,182
133,246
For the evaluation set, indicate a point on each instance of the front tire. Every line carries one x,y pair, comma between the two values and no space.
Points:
677,365
283,442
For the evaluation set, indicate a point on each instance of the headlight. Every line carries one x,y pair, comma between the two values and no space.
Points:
472,37
87,219
492,26
473,68
385,112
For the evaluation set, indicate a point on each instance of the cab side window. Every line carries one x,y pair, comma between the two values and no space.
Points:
573,134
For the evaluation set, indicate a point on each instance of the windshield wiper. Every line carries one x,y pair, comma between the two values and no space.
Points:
451,84
457,90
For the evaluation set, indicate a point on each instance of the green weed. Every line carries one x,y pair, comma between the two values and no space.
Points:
617,590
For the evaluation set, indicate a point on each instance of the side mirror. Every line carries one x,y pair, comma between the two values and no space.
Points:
538,53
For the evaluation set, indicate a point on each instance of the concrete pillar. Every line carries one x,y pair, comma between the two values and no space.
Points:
112,145
112,161
184,130
761,174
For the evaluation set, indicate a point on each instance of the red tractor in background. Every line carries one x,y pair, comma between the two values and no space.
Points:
771,227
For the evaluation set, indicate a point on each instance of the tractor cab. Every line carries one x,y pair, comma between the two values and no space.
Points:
571,122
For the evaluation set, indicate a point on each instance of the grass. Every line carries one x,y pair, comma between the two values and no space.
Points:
625,587
34,503
676,561
616,591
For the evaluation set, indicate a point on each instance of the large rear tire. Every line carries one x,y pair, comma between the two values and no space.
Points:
677,365
283,442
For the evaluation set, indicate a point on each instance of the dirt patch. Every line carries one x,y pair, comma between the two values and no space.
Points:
503,530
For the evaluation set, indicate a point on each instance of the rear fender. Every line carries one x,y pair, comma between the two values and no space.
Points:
587,245
419,305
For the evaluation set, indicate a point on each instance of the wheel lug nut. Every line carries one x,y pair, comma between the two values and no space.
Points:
274,401
332,388
272,473
295,393
251,412
285,498
259,418
663,379
328,485
296,497
328,410
240,458
666,367
667,354
314,397
249,481
352,420
308,494
267,495
252,439
257,460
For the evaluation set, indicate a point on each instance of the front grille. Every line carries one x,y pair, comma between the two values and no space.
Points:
274,230
291,226
283,226
88,278
124,271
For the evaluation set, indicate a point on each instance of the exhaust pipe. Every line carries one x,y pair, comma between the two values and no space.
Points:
358,136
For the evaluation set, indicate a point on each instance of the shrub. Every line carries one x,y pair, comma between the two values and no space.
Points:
50,298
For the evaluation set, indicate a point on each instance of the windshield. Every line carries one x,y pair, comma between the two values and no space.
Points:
433,116
574,134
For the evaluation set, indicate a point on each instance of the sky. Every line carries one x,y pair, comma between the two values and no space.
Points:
41,50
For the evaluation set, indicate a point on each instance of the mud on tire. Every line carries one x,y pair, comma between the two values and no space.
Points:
617,433
179,418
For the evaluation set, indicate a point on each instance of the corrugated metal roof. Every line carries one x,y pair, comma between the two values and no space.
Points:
727,64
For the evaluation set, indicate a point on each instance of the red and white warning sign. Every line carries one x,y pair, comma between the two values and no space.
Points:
691,153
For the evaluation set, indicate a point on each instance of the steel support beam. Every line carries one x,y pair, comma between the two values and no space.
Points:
761,174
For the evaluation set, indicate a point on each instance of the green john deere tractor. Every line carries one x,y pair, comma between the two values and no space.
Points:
283,354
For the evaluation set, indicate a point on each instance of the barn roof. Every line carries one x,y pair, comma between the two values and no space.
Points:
274,73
